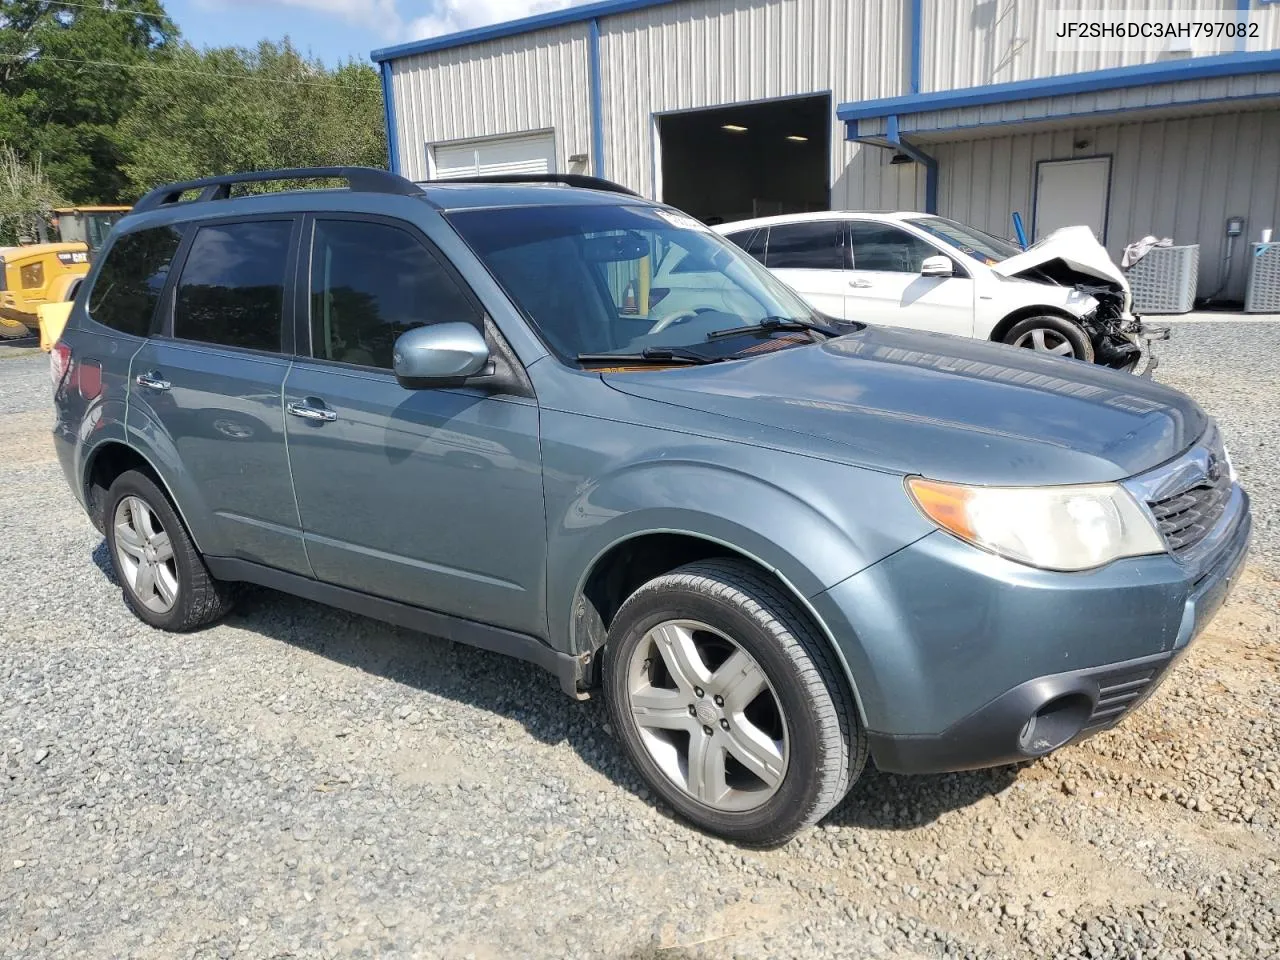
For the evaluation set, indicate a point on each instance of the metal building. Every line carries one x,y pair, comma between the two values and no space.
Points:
736,108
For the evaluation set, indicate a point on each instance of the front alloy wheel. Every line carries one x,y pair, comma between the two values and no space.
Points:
730,702
707,715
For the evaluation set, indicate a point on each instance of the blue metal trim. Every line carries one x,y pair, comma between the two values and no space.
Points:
511,28
389,118
1197,68
917,37
1018,230
929,163
1090,115
597,99
1242,16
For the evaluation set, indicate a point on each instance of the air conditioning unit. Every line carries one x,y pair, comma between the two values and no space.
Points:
1263,294
1164,281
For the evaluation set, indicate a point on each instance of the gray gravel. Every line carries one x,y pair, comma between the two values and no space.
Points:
300,782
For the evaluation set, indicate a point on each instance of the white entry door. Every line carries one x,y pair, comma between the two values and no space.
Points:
1072,193
534,154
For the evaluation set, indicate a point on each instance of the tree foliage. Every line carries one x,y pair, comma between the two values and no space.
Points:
113,100
27,198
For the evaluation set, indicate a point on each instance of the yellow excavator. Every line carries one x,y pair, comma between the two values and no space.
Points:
38,281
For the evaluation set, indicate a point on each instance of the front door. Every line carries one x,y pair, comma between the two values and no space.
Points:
212,382
431,497
1071,193
812,258
886,285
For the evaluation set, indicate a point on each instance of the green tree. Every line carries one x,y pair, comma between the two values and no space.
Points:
228,109
67,76
27,198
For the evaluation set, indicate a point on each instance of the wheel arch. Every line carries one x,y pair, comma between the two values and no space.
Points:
1023,313
107,461
631,560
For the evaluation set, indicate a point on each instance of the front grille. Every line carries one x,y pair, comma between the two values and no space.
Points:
1185,519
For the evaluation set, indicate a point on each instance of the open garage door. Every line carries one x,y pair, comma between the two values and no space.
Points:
754,160
509,155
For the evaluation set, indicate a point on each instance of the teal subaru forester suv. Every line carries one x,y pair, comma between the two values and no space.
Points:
775,543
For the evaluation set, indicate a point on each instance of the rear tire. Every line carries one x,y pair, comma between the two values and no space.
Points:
1053,336
162,576
730,703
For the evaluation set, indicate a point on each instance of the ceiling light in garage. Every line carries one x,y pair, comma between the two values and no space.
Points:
796,138
733,128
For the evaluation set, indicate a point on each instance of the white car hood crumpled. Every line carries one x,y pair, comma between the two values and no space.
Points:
1077,247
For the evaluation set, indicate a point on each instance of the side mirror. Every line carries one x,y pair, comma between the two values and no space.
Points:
425,356
936,267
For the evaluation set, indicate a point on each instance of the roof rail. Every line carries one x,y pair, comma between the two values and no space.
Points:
567,179
360,179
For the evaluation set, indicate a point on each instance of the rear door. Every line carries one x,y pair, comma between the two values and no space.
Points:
812,257
208,386
432,497
886,285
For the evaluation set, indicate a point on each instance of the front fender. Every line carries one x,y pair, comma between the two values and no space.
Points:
812,522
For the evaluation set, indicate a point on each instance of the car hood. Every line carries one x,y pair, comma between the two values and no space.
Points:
945,407
1076,247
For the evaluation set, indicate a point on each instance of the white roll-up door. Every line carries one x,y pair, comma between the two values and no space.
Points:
527,154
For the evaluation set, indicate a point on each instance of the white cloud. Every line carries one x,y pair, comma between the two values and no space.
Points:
410,23
450,16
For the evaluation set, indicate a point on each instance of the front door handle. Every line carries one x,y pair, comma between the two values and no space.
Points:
307,411
860,284
152,381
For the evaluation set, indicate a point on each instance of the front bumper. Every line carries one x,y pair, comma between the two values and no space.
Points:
971,661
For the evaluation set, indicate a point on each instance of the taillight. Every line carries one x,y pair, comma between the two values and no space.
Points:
59,363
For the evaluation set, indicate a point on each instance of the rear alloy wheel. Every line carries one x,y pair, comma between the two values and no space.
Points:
1053,335
730,704
164,579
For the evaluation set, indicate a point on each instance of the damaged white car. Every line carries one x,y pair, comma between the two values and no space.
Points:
1063,296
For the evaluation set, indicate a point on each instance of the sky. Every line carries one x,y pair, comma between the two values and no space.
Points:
335,30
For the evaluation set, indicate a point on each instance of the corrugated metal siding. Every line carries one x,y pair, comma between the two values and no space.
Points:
969,44
1172,178
517,84
1153,96
705,53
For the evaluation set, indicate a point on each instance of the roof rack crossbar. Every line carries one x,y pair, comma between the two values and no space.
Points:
360,179
567,179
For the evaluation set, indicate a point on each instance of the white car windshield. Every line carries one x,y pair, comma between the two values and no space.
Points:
968,240
616,279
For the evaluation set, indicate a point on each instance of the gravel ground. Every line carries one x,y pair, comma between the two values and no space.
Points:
297,782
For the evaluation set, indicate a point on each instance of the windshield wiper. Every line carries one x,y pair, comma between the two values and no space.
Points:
770,324
649,355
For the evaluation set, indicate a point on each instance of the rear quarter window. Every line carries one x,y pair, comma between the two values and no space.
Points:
129,283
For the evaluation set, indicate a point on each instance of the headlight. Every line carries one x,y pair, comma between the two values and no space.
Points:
1054,528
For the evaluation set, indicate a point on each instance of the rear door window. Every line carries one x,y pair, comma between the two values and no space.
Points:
370,282
131,278
811,245
754,242
231,290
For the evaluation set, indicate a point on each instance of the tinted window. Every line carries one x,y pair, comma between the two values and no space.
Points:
231,292
128,286
816,245
880,247
752,241
370,283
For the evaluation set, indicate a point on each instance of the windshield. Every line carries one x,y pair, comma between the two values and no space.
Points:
625,279
977,244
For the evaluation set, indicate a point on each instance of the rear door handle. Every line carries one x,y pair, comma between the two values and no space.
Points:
860,284
152,381
308,411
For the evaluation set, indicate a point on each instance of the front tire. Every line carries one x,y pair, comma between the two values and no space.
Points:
162,576
1052,335
730,704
